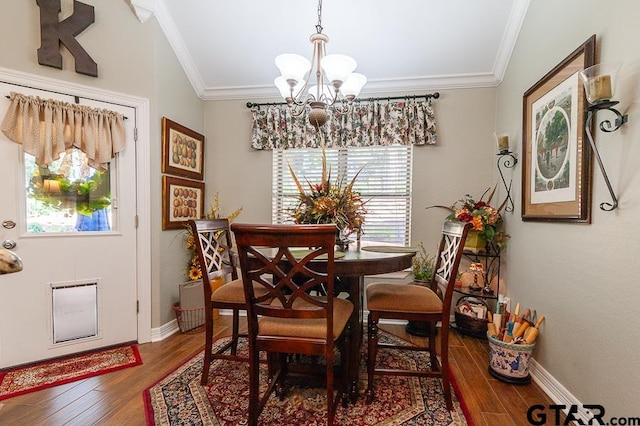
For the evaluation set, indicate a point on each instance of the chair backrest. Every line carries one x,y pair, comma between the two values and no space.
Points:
213,245
291,262
454,235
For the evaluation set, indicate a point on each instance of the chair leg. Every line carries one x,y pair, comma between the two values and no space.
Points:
432,346
208,344
254,388
235,332
331,402
444,367
372,353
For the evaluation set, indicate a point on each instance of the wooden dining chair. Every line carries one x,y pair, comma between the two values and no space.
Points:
418,303
291,262
213,245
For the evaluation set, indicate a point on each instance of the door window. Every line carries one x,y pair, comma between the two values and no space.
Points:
67,196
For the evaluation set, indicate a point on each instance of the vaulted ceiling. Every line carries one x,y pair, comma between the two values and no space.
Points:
227,48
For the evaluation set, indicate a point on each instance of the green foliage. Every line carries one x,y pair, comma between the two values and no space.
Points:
84,196
423,265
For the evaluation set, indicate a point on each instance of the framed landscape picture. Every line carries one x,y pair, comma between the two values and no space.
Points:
182,151
182,200
557,170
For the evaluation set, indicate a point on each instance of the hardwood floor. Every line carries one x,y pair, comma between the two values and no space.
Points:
116,398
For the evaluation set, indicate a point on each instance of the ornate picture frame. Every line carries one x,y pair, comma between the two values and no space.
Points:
182,151
182,200
557,168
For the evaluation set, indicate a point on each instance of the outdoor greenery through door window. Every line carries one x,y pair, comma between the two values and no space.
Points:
384,182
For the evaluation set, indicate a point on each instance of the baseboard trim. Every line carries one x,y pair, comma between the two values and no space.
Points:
164,331
557,392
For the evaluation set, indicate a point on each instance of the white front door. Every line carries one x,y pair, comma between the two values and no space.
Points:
40,310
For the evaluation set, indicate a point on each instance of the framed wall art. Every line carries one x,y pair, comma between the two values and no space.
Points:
182,151
557,170
182,200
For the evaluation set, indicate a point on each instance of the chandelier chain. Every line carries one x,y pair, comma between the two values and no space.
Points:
319,24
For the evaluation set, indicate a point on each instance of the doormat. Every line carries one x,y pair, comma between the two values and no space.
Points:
180,399
32,377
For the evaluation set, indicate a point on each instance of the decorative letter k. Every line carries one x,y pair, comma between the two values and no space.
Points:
53,32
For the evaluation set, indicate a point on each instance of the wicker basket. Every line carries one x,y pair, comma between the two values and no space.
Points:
189,320
468,324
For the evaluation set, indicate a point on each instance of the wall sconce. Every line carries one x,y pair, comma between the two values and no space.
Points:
507,160
599,85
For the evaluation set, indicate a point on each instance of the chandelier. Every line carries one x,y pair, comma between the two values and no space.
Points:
336,85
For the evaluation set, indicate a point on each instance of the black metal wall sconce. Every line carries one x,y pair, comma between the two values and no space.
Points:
599,85
506,160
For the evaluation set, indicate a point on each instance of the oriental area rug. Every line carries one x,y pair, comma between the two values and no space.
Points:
179,399
33,377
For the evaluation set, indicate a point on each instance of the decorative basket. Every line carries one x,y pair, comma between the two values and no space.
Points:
509,362
466,323
189,320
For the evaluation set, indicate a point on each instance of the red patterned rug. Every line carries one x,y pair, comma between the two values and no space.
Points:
29,378
179,399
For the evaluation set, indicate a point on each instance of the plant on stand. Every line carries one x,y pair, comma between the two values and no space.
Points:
422,266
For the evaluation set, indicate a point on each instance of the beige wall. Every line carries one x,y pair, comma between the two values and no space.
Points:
462,162
583,277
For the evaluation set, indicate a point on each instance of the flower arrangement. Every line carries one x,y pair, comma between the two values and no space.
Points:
328,202
194,272
486,219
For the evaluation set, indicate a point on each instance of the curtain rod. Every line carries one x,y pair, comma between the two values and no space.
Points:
75,97
434,95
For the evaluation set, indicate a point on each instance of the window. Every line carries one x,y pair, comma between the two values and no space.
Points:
67,196
385,181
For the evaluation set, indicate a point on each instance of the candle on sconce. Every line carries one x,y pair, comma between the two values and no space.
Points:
600,88
503,142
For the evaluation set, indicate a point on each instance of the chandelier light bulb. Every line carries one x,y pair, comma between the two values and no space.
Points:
285,89
351,87
337,68
292,67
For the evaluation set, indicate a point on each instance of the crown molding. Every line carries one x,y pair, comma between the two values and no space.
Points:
373,87
143,9
510,37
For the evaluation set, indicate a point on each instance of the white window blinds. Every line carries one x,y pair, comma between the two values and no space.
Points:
385,181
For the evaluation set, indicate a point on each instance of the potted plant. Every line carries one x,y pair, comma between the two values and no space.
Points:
422,266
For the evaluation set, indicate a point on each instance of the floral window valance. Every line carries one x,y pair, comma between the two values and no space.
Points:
371,123
47,128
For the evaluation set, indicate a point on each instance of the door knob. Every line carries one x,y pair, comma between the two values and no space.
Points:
9,244
8,224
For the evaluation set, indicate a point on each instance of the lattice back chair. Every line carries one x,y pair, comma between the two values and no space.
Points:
291,262
213,244
418,303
